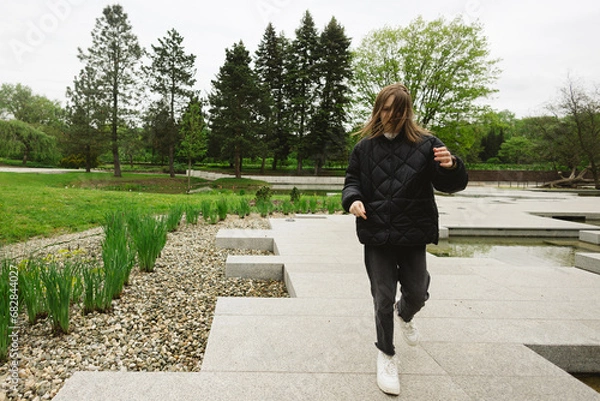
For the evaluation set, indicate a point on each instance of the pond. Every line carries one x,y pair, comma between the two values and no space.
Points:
520,251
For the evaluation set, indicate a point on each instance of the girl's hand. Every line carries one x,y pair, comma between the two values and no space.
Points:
358,209
444,157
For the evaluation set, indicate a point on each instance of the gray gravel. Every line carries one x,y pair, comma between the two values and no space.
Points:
160,323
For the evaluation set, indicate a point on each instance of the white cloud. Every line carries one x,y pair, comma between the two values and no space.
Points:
539,42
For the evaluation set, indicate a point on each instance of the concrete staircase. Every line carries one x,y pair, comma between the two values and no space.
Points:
484,330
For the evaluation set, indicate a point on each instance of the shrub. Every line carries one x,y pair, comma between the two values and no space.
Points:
76,161
294,195
263,194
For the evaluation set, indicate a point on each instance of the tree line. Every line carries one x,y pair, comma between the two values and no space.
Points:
294,99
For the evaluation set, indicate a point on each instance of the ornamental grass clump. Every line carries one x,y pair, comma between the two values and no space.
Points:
333,204
58,284
118,256
192,213
222,208
206,207
93,289
243,208
287,207
313,204
302,206
149,238
31,289
174,217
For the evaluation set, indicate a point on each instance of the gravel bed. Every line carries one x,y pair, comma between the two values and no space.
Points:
160,323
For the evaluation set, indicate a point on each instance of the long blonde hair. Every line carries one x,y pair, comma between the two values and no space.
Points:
401,119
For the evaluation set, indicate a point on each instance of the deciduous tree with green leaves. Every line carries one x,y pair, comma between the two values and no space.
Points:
20,138
446,66
578,109
171,76
115,54
19,102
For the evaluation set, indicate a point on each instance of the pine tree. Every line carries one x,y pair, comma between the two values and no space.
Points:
302,82
193,133
171,76
87,116
236,105
270,69
114,55
327,137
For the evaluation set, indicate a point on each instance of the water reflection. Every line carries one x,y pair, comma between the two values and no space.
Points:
521,251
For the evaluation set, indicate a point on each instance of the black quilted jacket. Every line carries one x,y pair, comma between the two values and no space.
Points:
395,181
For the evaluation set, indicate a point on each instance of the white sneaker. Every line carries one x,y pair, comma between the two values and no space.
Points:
387,374
409,332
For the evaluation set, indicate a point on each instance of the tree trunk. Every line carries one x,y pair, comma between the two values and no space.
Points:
88,159
571,181
189,180
171,160
237,162
262,165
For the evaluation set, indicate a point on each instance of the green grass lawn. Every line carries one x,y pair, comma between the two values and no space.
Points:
48,204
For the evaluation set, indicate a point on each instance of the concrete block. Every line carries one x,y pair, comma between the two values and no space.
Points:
571,358
588,261
444,232
591,236
261,240
254,267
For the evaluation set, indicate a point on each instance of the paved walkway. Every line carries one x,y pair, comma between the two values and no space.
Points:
483,330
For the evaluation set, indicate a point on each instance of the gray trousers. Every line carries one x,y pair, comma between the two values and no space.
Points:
387,266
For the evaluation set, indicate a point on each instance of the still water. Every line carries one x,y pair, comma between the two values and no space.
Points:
520,251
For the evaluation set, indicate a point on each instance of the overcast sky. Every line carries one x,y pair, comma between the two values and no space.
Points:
539,42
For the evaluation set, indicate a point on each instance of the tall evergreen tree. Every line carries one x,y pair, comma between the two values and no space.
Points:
115,54
171,76
270,69
302,82
327,137
193,133
87,115
236,104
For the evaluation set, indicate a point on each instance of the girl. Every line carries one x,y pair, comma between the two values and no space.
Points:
389,187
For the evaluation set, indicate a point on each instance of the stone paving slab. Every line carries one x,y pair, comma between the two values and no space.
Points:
475,329
252,386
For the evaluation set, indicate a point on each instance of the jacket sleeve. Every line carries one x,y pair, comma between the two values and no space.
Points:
352,188
449,180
